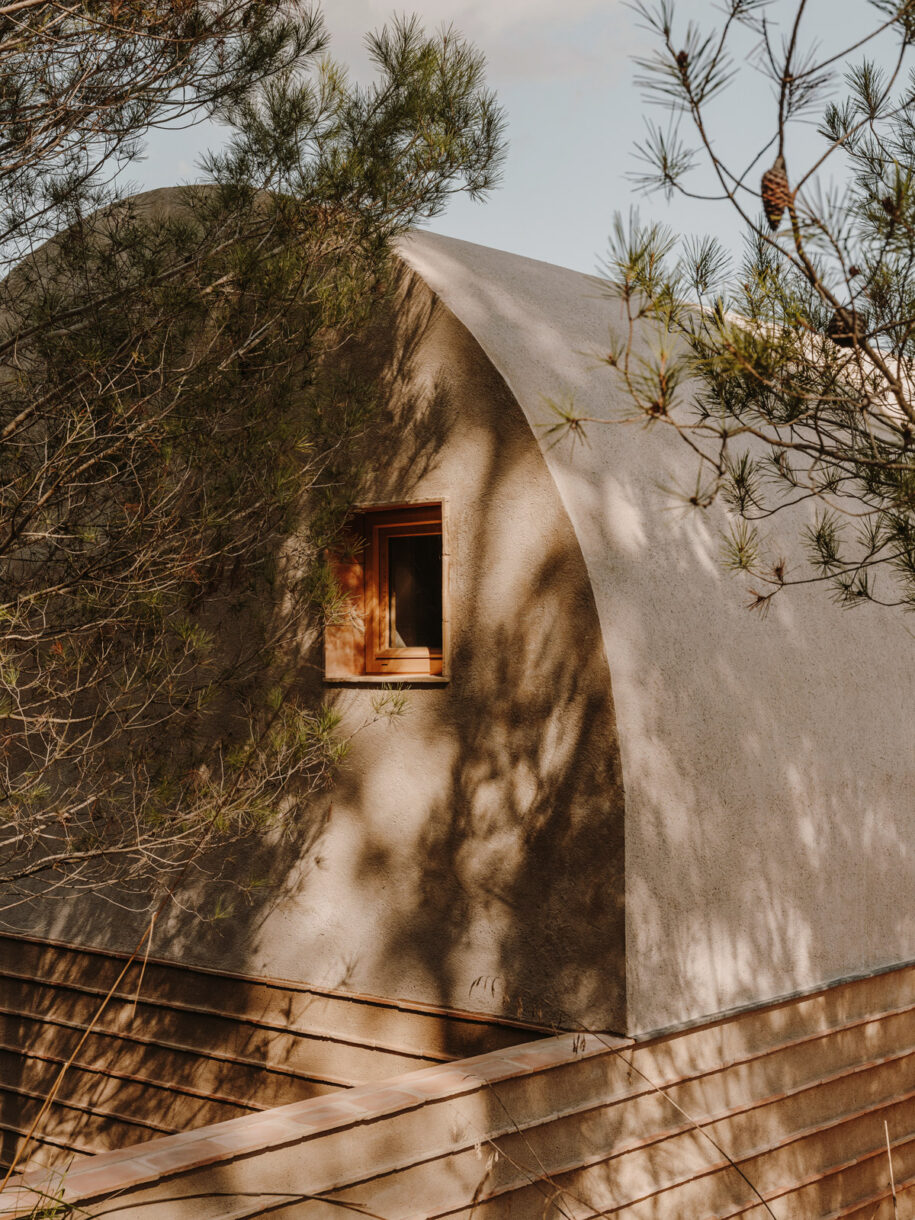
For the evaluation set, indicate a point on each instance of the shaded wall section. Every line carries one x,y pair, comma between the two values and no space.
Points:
470,854
769,764
474,856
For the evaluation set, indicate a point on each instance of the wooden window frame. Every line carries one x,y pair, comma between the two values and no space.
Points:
380,526
355,649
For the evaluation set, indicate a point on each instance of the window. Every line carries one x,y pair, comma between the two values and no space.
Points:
393,575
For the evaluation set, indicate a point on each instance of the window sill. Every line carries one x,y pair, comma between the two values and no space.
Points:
389,680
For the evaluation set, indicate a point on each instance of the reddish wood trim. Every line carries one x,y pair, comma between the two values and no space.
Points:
358,645
405,522
344,641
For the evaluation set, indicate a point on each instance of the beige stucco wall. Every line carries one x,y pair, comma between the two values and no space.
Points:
474,855
470,853
769,764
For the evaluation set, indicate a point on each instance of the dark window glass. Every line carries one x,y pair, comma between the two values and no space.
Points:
415,591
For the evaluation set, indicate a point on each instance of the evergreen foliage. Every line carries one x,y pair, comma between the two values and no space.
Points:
791,375
174,450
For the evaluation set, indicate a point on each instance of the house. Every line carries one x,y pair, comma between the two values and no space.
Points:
616,801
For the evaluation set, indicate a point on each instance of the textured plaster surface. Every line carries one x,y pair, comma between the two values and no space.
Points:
470,854
768,764
474,856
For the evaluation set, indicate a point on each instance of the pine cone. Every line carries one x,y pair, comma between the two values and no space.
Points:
847,326
775,191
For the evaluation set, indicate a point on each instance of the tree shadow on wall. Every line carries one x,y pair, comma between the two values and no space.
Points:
518,864
494,881
508,873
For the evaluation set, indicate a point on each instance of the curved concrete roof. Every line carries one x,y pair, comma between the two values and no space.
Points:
769,763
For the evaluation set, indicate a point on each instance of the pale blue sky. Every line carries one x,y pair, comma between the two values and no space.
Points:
564,74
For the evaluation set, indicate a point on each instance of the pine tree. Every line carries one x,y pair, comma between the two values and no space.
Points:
804,352
173,445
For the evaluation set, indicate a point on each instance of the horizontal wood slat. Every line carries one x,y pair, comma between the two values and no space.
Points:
190,1046
778,1111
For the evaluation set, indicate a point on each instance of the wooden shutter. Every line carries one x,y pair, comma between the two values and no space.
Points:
344,641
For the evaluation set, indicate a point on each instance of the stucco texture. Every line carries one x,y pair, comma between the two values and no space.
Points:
768,763
474,855
470,853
